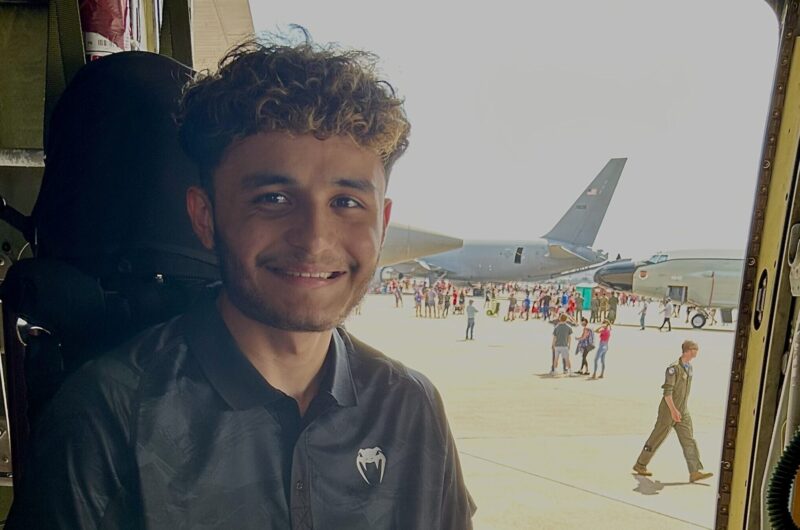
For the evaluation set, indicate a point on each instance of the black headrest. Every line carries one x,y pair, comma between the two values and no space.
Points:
112,196
55,296
85,317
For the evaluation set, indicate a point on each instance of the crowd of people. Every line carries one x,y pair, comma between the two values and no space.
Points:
564,306
538,301
534,301
434,301
547,302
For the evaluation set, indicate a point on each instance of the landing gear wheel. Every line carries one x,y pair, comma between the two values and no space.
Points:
699,320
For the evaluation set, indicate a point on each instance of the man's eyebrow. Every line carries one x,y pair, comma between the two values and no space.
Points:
257,180
358,184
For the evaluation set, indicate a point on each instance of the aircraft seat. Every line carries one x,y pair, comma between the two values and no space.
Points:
113,248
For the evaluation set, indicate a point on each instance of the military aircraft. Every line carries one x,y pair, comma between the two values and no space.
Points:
566,247
703,278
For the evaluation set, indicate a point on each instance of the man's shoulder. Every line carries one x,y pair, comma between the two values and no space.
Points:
116,375
372,368
673,367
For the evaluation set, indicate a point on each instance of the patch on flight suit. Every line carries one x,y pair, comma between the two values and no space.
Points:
671,370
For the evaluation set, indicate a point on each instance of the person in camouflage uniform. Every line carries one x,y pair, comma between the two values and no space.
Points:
613,303
602,308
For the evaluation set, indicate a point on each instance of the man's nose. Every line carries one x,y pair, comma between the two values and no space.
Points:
312,230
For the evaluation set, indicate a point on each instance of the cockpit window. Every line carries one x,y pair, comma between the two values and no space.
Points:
657,258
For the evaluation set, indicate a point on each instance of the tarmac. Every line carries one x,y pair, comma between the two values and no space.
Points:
545,452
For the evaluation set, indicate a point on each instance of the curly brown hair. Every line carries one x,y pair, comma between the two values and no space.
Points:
299,89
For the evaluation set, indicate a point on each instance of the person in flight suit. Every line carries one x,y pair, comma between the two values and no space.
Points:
673,413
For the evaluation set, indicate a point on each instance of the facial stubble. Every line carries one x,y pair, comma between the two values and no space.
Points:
243,292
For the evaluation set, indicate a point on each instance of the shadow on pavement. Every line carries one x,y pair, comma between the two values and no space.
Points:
560,375
647,486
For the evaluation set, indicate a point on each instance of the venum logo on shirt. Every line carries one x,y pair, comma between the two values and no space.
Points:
369,456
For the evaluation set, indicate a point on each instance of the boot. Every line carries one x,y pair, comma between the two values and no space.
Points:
639,469
694,476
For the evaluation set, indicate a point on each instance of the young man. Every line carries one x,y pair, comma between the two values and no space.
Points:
256,410
673,413
562,337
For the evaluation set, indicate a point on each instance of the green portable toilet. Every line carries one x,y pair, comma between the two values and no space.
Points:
586,292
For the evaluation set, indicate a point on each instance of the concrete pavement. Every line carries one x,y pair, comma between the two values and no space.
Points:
556,452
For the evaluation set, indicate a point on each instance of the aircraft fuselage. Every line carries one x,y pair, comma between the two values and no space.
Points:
485,261
705,282
704,278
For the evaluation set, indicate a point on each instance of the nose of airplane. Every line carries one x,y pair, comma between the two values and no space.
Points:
617,276
405,243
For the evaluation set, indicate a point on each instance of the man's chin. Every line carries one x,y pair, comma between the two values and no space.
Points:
302,325
297,321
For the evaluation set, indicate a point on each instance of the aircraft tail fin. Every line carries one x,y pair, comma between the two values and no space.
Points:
580,224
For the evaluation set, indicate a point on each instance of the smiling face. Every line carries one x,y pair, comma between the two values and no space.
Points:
298,224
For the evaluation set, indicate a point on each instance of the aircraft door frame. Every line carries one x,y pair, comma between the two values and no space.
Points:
765,308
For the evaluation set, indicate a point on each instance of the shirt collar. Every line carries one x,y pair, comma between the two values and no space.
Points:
237,381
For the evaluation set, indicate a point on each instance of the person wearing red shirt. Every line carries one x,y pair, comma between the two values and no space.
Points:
604,332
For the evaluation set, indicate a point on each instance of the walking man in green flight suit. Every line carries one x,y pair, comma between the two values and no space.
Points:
673,413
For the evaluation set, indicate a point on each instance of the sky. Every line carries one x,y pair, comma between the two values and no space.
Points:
514,109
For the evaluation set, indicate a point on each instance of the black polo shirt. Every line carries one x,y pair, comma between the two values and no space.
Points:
178,430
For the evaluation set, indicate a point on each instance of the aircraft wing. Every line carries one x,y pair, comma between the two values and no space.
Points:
418,267
557,251
427,266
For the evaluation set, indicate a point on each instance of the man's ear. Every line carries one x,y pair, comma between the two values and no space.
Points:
387,214
201,213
